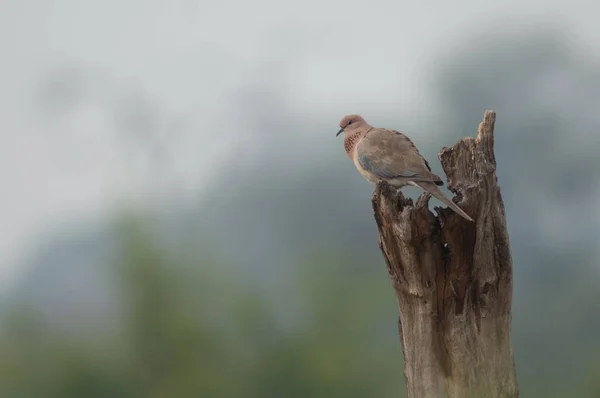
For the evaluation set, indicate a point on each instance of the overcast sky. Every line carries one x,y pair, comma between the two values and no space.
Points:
71,67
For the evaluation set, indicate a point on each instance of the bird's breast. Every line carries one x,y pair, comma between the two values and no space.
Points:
365,173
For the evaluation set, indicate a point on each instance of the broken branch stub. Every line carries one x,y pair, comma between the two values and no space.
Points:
453,278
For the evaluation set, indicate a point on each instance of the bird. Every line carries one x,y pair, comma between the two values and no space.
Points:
381,154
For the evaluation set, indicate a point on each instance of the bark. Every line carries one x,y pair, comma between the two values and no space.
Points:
453,278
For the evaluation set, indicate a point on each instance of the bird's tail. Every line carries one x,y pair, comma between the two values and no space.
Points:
435,191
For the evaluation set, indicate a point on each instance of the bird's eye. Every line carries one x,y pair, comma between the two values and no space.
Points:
350,122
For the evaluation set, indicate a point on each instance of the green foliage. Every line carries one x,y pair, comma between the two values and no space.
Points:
189,325
190,328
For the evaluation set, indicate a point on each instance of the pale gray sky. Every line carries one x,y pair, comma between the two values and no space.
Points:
183,63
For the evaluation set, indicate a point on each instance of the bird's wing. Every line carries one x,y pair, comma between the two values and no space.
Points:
389,154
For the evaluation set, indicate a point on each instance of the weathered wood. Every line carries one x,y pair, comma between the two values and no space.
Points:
453,278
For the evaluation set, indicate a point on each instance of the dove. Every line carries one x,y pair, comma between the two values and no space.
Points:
382,154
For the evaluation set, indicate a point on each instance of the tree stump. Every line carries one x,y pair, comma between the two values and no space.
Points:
453,278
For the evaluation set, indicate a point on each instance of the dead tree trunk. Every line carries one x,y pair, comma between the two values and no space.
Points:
453,278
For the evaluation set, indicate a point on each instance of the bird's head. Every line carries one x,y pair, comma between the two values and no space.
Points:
351,123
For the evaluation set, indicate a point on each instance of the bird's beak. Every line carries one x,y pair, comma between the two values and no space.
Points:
340,132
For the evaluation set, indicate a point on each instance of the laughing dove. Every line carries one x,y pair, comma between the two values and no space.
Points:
383,154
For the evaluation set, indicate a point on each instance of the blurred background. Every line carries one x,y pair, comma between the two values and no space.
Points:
179,220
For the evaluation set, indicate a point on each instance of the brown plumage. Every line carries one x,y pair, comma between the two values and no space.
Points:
384,154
